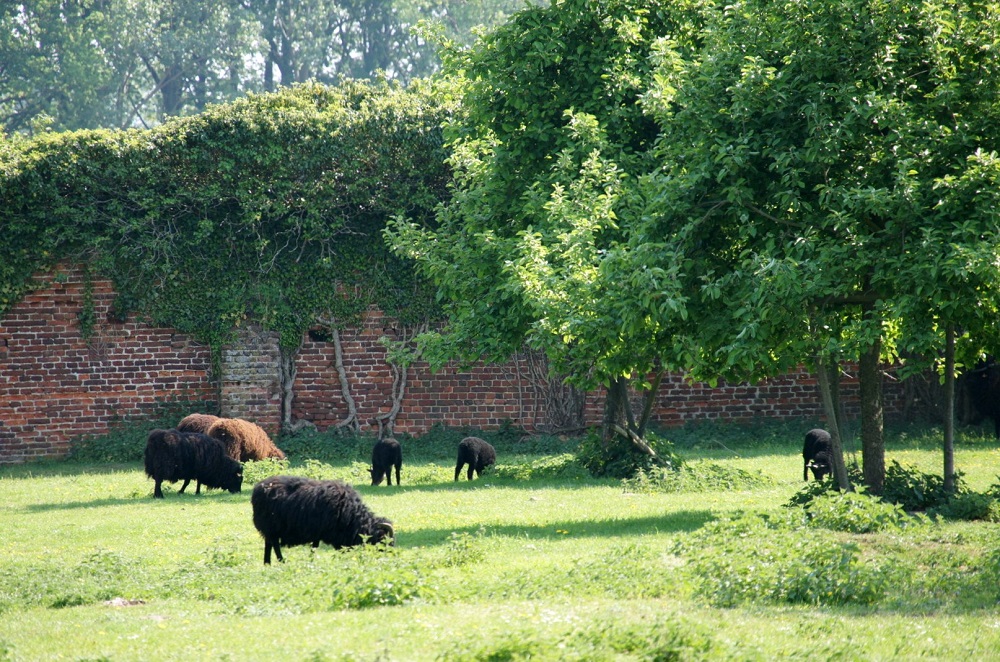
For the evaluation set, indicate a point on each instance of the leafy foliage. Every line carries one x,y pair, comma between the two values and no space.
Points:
546,152
969,506
125,440
906,490
559,467
619,460
831,178
268,210
786,564
128,63
915,490
858,512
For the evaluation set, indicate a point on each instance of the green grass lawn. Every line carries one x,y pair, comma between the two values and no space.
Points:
512,566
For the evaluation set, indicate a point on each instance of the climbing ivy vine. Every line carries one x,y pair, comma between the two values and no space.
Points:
268,210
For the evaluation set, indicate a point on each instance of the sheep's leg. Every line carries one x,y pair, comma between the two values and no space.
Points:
458,469
184,486
268,545
805,470
397,475
197,487
468,474
157,491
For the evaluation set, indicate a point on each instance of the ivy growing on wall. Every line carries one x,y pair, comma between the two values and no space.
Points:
269,210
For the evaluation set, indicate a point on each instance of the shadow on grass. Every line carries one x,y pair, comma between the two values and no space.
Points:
206,499
675,522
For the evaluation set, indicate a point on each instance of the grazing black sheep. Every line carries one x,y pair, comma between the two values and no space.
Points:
817,454
386,454
172,455
476,453
291,510
983,386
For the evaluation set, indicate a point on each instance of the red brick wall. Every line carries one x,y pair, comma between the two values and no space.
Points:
56,385
485,396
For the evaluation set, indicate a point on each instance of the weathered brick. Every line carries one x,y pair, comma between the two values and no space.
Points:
57,385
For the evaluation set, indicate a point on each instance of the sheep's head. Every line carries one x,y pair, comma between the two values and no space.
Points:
234,477
821,465
383,533
377,476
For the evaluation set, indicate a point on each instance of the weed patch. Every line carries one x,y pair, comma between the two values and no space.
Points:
696,477
751,559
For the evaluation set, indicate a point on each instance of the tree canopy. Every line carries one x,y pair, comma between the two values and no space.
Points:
829,171
792,182
548,148
132,63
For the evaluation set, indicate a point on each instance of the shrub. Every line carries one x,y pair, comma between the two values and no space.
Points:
857,512
125,440
914,490
811,491
464,548
969,506
663,638
752,557
255,471
620,460
378,578
328,446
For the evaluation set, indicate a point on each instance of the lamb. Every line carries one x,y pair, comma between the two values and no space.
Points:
172,455
244,440
292,510
197,423
817,454
386,454
475,452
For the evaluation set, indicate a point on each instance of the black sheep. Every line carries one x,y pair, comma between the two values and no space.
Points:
292,510
817,454
983,386
172,455
476,453
386,454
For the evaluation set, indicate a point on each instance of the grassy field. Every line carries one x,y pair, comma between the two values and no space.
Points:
533,561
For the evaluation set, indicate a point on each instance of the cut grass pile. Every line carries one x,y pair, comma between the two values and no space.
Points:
534,561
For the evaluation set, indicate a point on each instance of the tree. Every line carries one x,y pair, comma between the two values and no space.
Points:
828,173
125,63
49,67
536,245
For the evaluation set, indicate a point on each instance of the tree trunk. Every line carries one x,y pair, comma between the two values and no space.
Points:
615,405
829,394
872,441
949,410
619,424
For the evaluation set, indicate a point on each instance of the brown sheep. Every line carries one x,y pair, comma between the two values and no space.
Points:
244,440
197,423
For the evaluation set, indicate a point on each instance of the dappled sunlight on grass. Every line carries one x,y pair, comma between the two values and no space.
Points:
545,555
